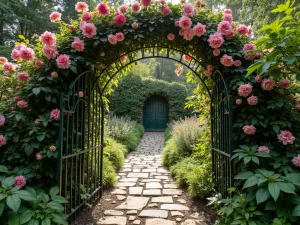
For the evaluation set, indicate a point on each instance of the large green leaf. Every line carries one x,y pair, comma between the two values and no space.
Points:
253,67
14,219
243,175
59,219
8,182
263,68
262,195
286,187
54,191
26,195
26,216
296,211
251,181
59,199
13,201
274,190
55,206
3,169
1,207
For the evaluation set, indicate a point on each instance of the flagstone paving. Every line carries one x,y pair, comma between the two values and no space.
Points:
146,194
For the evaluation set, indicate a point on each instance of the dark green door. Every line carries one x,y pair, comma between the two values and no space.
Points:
155,114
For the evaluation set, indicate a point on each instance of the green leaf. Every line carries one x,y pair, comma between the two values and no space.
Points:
255,159
8,182
14,219
1,207
3,169
296,211
54,191
244,175
289,60
262,195
251,181
41,137
253,67
276,73
263,68
55,206
276,128
59,199
46,221
286,187
13,201
2,196
274,190
26,195
228,211
26,216
73,68
36,91
59,220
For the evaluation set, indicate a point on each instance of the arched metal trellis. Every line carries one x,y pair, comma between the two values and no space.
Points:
81,139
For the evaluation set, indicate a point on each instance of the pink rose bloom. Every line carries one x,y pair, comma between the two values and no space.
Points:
55,16
298,107
165,10
88,30
80,94
17,98
55,114
27,54
245,90
120,36
136,7
23,77
120,20
286,137
229,35
296,161
71,27
37,122
38,156
253,100
179,70
237,63
238,101
181,32
20,181
86,17
207,73
8,67
78,45
19,47
242,30
264,149
171,36
15,55
268,84
249,129
81,7
188,10
227,60
210,67
227,11
22,104
3,60
112,39
123,9
249,46
48,38
2,120
54,75
249,30
247,51
185,23
103,9
225,27
2,140
63,61
198,3
227,17
188,34
146,2
134,25
199,29
258,79
216,52
215,40
50,52
284,83
52,148
123,58
39,64
176,23
298,100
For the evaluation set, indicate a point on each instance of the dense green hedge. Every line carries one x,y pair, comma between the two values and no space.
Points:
129,97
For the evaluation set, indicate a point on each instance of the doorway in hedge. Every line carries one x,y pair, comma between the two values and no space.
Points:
155,114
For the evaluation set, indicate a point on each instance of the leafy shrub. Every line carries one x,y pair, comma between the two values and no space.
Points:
109,173
115,152
167,133
172,154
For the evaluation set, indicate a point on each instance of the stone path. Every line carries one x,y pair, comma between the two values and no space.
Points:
146,194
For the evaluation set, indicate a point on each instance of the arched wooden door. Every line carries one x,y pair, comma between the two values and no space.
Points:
156,115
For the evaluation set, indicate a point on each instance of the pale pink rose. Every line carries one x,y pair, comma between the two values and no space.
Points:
54,75
8,67
248,51
55,16
185,23
227,11
215,40
38,156
123,58
55,114
22,104
249,46
27,54
37,122
78,45
227,17
52,148
165,10
216,52
238,101
23,77
103,9
3,60
227,60
249,129
71,27
80,94
120,20
146,2
112,39
268,84
229,35
176,23
86,17
171,36
237,63
198,3
88,30
245,90
253,100
188,10
2,140
199,29
249,30
48,38
50,52
298,107
210,67
242,30
136,7
20,181
258,79
135,25
39,64
258,55
224,27
63,61
19,47
15,55
298,100
264,149
17,98
284,83
296,161
181,32
120,36
285,137
123,9
81,7
179,70
188,34
207,73
2,120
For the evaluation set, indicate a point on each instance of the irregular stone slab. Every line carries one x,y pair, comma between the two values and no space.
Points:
119,192
178,219
129,180
120,197
137,222
125,184
159,222
172,192
167,199
162,177
131,218
135,190
182,201
154,213
161,170
189,222
153,205
149,170
170,186
131,202
138,175
153,185
150,180
131,212
113,213
152,192
176,207
176,213
113,220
